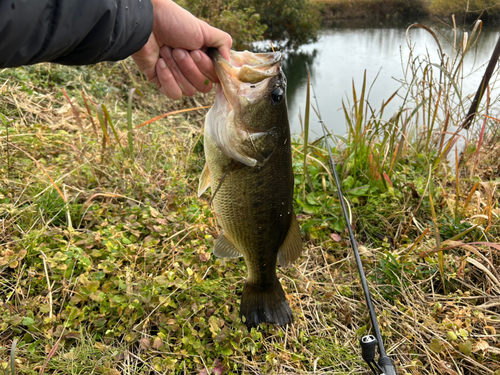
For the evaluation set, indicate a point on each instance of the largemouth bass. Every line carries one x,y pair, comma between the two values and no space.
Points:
249,168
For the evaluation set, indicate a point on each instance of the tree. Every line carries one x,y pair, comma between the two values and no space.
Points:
290,23
287,23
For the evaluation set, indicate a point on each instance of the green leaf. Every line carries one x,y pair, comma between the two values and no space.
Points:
161,280
60,257
227,351
359,191
110,121
463,333
436,345
92,286
14,320
119,299
27,321
466,347
348,183
451,336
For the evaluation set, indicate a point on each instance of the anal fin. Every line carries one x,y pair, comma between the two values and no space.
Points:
204,180
291,247
224,248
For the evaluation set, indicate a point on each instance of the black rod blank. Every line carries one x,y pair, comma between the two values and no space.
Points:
384,361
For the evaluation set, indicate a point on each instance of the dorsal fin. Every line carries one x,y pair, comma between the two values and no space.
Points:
224,248
291,247
204,180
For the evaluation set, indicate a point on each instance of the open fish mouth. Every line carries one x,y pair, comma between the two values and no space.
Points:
241,121
247,74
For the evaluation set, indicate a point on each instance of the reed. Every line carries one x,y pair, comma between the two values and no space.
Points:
381,157
130,135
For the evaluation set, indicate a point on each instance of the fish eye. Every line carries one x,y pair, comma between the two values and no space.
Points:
277,95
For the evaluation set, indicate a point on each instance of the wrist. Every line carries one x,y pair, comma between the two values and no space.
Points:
160,4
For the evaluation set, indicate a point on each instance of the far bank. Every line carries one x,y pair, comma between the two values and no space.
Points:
396,10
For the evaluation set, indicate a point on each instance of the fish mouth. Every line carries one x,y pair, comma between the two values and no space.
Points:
246,75
246,82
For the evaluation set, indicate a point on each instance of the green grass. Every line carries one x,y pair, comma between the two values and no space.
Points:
106,261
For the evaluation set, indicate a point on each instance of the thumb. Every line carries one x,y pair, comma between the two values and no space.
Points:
219,39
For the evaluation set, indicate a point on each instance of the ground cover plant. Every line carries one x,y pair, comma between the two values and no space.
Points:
106,262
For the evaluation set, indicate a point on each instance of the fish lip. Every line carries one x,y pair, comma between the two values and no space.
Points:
272,58
222,68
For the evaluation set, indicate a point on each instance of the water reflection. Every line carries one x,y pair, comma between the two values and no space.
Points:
295,68
341,56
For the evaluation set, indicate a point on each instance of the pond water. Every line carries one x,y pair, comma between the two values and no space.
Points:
342,54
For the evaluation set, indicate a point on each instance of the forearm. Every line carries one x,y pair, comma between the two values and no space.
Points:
72,32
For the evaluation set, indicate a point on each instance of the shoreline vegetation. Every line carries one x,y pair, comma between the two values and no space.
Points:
291,23
396,10
106,263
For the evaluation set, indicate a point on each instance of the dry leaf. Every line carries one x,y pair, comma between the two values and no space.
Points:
335,237
480,345
157,343
204,256
445,368
145,343
153,212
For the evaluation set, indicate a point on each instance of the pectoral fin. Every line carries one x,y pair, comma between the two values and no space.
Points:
291,247
204,180
224,248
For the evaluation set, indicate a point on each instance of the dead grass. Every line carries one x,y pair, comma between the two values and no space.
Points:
134,231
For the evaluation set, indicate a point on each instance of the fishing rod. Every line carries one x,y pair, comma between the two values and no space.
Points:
368,343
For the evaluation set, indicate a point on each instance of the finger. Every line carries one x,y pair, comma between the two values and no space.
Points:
190,70
205,65
219,39
186,87
166,81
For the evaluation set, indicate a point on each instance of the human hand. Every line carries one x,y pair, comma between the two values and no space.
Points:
174,57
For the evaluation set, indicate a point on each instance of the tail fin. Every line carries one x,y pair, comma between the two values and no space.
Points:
265,305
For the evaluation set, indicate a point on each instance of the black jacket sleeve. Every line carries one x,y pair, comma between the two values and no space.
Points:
72,32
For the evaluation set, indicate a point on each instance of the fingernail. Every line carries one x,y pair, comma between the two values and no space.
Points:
165,51
179,54
196,56
162,64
